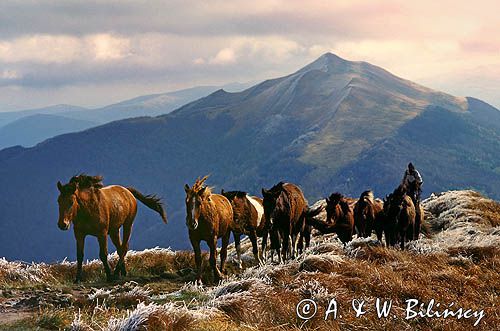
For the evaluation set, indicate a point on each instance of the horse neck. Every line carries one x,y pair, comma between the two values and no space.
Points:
240,205
337,213
88,201
206,207
283,204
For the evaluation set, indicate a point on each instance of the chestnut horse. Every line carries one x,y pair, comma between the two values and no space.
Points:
285,208
368,215
400,216
339,218
98,211
208,217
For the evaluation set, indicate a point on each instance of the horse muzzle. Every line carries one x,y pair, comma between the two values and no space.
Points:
193,225
63,226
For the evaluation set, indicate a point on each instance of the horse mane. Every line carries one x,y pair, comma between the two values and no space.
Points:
336,197
367,195
344,205
198,185
277,188
233,194
401,190
285,200
85,181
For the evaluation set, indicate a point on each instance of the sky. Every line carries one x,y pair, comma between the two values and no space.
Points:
93,53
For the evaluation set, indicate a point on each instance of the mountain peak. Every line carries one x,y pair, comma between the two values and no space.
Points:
326,62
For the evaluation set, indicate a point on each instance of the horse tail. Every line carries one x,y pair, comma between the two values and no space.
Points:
151,201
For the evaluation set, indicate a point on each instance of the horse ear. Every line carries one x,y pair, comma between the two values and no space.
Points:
327,200
59,186
264,192
202,191
186,188
222,191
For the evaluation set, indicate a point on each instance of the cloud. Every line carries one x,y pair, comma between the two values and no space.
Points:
165,44
224,56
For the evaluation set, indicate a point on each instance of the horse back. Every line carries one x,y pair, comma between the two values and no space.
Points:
409,209
296,200
258,208
120,204
248,213
223,213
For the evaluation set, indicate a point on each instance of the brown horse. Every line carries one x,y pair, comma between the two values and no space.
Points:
420,226
285,208
96,210
208,217
339,218
248,219
368,215
400,216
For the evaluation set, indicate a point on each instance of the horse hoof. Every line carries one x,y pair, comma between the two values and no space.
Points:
77,281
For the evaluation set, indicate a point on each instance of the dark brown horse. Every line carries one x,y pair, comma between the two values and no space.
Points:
98,211
368,215
249,219
339,218
208,217
399,224
285,208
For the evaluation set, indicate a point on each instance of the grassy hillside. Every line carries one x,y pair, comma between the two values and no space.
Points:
459,262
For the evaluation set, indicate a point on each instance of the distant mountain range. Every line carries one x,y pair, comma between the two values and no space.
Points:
332,125
29,127
30,130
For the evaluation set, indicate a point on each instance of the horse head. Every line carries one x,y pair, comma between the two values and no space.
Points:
272,202
331,205
393,204
68,204
195,197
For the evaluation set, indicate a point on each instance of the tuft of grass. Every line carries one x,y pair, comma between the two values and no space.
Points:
54,319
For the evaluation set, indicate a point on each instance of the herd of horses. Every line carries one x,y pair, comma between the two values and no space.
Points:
282,214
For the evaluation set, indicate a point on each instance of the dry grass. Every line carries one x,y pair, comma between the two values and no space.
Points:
459,262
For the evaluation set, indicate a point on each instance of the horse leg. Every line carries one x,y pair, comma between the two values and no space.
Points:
212,244
264,245
402,239
103,255
294,245
418,223
80,244
255,249
115,238
197,258
300,242
307,235
237,245
285,237
305,239
275,244
223,250
127,231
